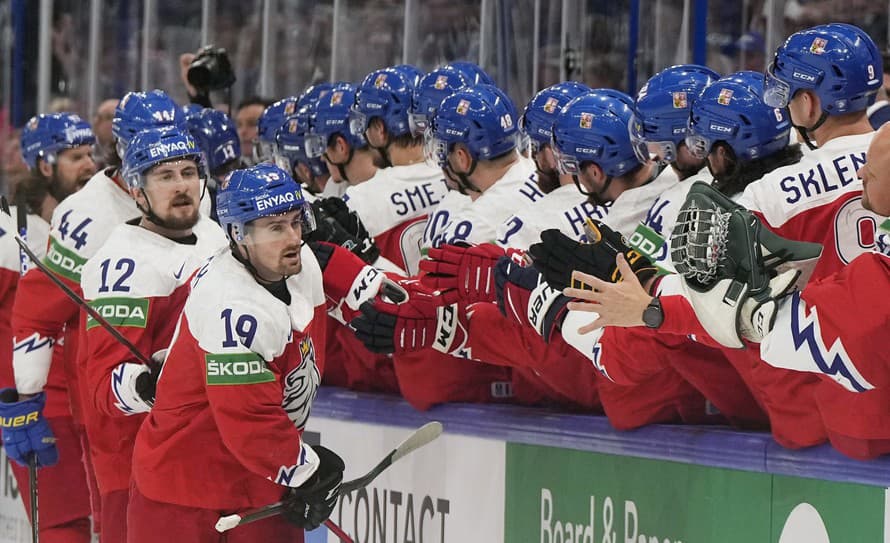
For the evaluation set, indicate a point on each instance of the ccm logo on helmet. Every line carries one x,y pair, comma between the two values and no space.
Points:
276,200
164,149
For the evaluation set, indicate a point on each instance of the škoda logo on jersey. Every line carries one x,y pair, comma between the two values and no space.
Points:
120,312
236,369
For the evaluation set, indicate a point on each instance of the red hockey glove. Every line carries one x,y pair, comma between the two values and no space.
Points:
420,322
462,273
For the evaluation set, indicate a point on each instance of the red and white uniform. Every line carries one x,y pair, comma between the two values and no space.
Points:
631,206
43,312
428,377
64,516
564,208
138,281
819,199
233,397
79,226
394,206
840,342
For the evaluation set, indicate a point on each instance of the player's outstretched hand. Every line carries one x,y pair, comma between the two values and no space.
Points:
616,304
462,274
419,322
524,297
312,503
558,255
25,431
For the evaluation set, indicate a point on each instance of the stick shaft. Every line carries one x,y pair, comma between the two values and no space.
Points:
32,490
338,531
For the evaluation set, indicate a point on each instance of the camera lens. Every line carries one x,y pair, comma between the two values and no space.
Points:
200,73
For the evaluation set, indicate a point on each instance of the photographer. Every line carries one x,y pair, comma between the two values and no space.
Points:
207,70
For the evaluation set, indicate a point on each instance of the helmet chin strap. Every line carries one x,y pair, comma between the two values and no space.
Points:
462,180
805,131
384,151
594,197
341,166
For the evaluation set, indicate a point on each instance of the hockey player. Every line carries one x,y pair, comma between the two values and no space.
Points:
216,136
562,207
395,202
826,76
242,372
290,147
429,93
268,125
49,141
658,129
79,226
139,277
57,148
347,156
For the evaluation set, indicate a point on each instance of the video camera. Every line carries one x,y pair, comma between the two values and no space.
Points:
211,69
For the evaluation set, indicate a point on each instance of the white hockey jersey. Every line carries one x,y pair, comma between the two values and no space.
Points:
565,208
819,200
394,206
478,221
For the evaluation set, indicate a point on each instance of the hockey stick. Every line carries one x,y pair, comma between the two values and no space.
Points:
422,436
85,306
21,220
32,489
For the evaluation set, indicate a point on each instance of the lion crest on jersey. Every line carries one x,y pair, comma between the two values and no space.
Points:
725,97
680,101
300,385
586,120
818,46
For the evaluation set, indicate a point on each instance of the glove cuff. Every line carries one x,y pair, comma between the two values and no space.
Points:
124,379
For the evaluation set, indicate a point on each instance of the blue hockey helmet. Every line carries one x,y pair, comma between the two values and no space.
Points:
190,110
537,120
46,135
482,117
262,190
839,62
314,93
473,72
593,127
662,109
291,144
267,127
216,136
384,94
138,111
429,93
413,73
153,146
330,118
731,110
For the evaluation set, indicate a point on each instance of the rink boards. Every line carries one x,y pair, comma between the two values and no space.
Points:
502,473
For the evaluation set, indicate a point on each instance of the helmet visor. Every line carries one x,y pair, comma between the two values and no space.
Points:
699,146
263,151
435,149
776,93
315,145
418,123
358,122
566,164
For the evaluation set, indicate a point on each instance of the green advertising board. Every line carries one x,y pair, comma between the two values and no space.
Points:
567,496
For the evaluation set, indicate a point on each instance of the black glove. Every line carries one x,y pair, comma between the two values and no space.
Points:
312,503
558,255
335,223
